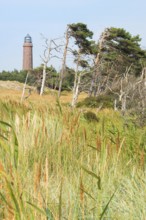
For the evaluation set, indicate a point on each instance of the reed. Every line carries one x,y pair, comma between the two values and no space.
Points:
55,164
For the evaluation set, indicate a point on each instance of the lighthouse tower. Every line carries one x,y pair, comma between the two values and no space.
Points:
27,53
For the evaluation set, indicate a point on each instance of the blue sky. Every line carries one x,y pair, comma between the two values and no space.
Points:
50,17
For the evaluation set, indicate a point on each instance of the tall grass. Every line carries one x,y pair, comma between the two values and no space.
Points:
55,164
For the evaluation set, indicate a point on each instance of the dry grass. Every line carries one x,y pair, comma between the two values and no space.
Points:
54,164
50,98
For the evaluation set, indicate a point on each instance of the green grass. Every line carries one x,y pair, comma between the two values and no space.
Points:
56,164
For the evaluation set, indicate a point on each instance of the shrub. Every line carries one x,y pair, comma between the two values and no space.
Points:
105,101
91,117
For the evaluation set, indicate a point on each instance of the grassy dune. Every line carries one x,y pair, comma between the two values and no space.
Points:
57,164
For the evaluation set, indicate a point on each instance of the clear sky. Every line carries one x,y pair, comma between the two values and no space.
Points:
50,17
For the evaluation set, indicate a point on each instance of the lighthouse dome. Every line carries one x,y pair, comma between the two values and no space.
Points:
27,39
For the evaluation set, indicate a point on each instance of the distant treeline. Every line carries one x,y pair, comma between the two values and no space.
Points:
35,77
14,75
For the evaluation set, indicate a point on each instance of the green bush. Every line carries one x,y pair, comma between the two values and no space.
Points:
91,116
105,101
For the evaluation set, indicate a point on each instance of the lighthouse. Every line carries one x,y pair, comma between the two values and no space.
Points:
27,53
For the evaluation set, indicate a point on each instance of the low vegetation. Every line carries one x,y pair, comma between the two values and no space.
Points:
58,163
106,101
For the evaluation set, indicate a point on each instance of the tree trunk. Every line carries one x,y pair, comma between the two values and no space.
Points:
123,102
24,87
44,79
77,81
76,91
46,60
93,86
94,81
64,62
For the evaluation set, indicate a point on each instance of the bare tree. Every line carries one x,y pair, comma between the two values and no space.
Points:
49,47
121,87
130,92
140,87
77,81
64,61
97,62
46,59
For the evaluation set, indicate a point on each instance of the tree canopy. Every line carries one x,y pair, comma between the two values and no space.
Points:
122,49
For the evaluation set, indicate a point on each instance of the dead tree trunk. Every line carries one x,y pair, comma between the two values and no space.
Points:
96,72
77,81
76,91
64,62
45,62
142,90
94,76
24,87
